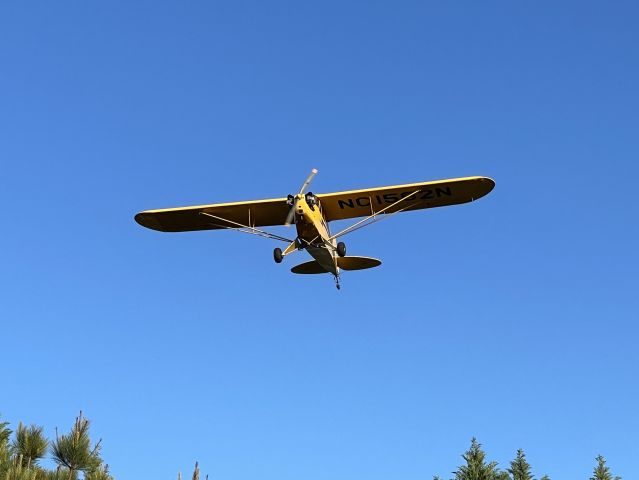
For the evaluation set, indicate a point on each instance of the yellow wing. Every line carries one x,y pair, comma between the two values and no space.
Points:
258,213
362,203
335,206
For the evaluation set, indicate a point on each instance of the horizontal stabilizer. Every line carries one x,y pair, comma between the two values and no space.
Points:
357,263
345,263
308,268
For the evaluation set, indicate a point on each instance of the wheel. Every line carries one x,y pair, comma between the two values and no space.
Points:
341,249
277,255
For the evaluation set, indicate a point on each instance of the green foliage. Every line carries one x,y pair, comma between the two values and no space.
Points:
77,458
18,471
5,433
60,474
520,468
73,452
601,471
29,444
100,473
476,467
5,451
196,473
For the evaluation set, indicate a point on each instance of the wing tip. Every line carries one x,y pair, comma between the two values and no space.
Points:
488,184
148,220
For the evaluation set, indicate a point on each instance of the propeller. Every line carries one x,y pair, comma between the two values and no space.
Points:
291,212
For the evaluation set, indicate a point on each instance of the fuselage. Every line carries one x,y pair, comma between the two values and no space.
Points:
314,234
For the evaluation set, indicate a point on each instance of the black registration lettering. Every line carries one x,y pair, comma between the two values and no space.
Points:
363,201
390,198
443,191
346,203
428,195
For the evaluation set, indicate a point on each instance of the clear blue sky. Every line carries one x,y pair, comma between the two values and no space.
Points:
513,319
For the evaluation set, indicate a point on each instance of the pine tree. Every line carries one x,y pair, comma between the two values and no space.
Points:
601,471
196,473
5,450
74,451
520,468
77,458
476,467
19,458
29,444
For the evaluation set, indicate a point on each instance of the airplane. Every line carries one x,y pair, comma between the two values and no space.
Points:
312,213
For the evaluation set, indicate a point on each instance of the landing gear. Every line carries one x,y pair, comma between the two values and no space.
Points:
341,249
277,255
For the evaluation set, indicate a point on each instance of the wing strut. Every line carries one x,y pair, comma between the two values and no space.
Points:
246,229
373,218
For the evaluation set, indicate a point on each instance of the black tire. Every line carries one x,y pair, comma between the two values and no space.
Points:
277,255
341,249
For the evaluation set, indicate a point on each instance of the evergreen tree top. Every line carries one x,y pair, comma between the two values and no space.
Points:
520,468
476,467
73,452
78,458
601,471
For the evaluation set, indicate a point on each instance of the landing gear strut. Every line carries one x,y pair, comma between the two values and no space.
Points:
277,255
341,249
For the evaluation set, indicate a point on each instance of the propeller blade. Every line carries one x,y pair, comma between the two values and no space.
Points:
308,180
291,214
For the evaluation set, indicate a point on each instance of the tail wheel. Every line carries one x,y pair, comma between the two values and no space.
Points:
277,255
341,249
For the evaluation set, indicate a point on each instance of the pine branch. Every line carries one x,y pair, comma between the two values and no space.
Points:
74,452
30,444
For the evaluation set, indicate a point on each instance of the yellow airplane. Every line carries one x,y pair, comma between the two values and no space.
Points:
311,214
